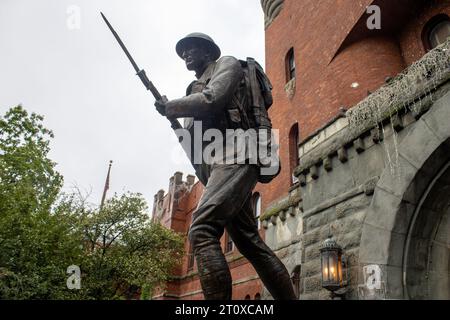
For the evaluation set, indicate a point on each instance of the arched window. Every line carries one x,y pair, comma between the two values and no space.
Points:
257,296
190,258
295,278
290,65
228,243
436,31
247,297
293,151
256,202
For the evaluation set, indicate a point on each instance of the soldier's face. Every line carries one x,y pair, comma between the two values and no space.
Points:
195,57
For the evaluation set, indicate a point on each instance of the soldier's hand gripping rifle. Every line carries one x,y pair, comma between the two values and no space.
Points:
141,73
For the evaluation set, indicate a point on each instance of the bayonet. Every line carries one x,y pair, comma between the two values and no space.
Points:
140,72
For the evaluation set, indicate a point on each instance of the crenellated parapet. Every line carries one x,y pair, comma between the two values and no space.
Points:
271,10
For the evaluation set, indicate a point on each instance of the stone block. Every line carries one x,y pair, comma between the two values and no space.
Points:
311,237
394,280
419,144
403,217
317,235
282,253
351,257
368,164
317,220
437,117
311,268
396,249
324,295
313,283
328,186
349,223
382,212
312,253
294,256
349,240
397,181
358,203
424,176
309,296
270,236
374,246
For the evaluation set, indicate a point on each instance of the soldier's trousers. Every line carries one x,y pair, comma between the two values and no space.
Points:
226,204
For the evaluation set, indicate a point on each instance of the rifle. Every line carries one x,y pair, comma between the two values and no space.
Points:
141,73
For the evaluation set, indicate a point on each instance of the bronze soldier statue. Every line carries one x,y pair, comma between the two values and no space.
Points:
226,200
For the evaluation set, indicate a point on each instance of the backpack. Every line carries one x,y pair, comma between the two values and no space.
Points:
259,100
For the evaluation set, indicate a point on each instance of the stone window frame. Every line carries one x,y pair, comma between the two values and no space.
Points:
430,27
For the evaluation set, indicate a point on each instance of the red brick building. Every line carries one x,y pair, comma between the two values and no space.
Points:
174,210
322,58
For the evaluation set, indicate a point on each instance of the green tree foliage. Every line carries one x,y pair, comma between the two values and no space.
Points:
29,185
43,232
124,250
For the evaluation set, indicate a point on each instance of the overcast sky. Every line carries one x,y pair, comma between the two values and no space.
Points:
58,59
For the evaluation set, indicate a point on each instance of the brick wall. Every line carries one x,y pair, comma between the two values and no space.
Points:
175,211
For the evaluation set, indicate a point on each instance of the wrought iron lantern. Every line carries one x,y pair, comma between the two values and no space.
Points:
332,266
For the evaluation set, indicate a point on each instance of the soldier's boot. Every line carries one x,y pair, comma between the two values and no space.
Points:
214,274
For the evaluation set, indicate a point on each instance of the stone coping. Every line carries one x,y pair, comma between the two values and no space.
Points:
282,205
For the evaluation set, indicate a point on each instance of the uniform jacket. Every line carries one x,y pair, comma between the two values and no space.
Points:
214,99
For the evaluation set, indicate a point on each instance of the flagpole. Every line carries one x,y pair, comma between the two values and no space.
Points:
106,185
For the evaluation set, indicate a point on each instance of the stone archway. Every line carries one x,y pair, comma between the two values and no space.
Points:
389,229
426,255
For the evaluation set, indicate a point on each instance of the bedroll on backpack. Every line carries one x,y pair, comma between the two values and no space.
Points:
259,98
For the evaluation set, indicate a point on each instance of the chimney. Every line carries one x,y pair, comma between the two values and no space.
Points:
160,195
190,179
178,176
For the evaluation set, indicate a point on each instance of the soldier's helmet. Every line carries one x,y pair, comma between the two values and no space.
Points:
199,37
